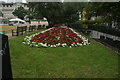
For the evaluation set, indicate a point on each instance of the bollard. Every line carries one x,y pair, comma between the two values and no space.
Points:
5,64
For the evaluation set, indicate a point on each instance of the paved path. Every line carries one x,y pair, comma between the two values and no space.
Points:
9,35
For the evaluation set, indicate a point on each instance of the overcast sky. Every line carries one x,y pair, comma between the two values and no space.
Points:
4,0
24,1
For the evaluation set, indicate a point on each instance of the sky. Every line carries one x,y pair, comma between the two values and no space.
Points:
4,0
24,1
73,0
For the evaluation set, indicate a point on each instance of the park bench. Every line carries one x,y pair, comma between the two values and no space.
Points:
18,31
25,29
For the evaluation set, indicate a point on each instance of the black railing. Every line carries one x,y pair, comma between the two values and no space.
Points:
105,29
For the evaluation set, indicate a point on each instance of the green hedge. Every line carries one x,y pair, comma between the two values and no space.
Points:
89,22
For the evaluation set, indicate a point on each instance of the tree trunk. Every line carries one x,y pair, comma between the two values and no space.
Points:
50,23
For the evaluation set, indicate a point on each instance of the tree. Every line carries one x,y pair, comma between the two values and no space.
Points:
57,12
1,14
109,11
50,10
20,12
71,11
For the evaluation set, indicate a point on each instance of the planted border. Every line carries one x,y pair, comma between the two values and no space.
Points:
56,37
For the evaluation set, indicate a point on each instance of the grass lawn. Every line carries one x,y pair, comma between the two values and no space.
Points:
91,61
7,29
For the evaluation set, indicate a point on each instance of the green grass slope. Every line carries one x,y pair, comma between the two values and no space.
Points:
91,61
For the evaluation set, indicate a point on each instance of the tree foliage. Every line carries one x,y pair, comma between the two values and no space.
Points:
109,11
1,14
20,12
57,12
50,10
71,11
67,12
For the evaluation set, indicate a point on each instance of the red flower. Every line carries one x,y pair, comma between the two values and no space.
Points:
50,38
43,40
57,35
36,40
76,41
72,42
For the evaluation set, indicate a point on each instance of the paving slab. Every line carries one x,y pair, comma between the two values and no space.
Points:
10,35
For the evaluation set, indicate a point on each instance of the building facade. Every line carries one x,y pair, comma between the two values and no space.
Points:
39,22
7,10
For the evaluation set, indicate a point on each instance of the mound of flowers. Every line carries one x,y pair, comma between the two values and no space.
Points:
56,37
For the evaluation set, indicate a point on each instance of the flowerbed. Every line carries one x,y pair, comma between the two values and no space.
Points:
56,37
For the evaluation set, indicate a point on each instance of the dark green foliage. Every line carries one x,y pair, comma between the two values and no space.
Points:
92,22
20,12
109,10
1,14
89,22
50,10
67,12
71,11
57,13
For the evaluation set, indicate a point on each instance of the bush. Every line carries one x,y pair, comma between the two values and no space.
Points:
84,24
89,22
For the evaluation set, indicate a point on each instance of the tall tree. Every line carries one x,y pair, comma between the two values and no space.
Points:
50,10
57,12
20,12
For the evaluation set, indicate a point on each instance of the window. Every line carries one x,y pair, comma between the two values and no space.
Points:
7,5
3,5
10,5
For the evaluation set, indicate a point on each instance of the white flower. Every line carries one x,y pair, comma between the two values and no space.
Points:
51,46
72,44
80,44
58,44
33,42
48,44
77,43
28,43
44,45
23,42
36,45
84,43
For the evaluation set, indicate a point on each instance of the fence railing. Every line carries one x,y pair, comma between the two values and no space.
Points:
20,30
97,35
105,29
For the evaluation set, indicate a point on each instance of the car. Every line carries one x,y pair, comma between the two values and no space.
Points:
10,24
